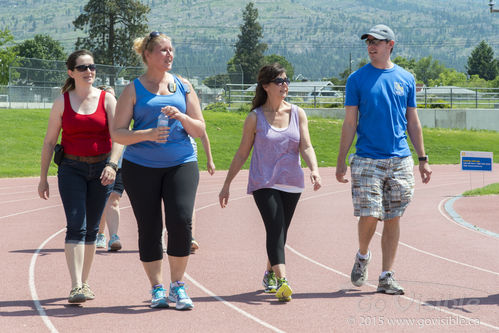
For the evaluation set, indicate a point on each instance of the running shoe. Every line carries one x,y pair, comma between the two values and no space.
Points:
178,295
359,271
284,291
76,296
114,243
101,241
158,299
269,282
194,245
388,285
89,294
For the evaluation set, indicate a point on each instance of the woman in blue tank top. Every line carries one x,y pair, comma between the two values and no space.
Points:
278,133
160,165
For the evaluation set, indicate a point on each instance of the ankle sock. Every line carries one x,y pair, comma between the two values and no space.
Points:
383,274
364,256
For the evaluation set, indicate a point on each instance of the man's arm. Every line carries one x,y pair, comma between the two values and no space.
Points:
416,135
347,135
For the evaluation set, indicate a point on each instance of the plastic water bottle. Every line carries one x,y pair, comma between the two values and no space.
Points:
162,120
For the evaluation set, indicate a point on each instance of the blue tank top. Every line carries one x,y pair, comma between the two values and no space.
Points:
178,148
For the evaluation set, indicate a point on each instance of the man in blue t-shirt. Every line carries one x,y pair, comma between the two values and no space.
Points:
380,106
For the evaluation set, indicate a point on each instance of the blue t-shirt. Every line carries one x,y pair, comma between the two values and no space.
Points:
178,148
382,96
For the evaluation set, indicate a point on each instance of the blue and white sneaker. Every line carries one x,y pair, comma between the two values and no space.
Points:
100,242
114,243
178,295
159,299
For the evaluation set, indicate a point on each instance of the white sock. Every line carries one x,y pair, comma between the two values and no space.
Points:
364,256
383,274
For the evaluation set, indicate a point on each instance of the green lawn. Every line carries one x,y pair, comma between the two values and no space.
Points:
23,132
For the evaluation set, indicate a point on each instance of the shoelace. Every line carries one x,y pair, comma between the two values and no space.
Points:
156,292
180,292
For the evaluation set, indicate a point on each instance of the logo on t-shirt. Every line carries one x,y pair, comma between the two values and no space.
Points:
399,89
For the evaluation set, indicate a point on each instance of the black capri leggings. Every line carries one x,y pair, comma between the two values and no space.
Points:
277,209
176,187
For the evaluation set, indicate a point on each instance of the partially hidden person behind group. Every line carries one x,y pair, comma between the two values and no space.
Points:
210,167
277,131
88,169
160,165
380,106
111,215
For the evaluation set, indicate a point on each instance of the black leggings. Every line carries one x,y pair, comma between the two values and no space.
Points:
277,209
176,187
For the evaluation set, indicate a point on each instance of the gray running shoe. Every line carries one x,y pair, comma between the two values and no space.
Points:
388,285
359,270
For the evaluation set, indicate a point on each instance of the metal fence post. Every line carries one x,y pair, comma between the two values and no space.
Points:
451,98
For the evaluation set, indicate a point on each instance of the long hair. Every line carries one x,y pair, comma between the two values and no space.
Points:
147,43
265,75
70,64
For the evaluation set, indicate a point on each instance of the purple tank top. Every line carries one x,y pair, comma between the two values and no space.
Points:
276,154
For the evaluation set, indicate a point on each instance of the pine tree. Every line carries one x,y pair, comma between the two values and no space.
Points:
482,63
249,50
112,25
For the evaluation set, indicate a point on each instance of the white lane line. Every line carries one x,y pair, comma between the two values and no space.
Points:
446,259
29,211
232,306
468,319
25,199
426,252
32,284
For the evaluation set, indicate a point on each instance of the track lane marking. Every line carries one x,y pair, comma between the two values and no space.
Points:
375,287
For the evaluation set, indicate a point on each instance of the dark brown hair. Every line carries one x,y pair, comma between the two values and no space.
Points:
265,75
70,64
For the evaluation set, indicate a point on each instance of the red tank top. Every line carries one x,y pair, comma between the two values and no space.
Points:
85,135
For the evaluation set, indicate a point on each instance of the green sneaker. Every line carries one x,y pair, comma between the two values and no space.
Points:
284,291
388,285
269,282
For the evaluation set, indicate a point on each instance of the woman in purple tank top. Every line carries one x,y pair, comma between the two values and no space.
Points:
278,133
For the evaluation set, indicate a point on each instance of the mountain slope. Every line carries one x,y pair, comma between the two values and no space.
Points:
317,36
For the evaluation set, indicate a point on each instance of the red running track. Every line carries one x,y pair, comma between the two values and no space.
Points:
450,273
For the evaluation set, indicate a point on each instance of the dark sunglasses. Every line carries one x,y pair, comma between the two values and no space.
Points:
279,81
83,68
152,35
375,41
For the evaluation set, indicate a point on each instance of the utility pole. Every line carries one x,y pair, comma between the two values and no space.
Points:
350,64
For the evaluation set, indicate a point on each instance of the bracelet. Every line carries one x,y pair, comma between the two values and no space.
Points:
113,165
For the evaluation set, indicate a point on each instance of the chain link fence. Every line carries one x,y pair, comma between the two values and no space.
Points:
35,83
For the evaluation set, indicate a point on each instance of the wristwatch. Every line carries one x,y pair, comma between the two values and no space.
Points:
112,165
423,158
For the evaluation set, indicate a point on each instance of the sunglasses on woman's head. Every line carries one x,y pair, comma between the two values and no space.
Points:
279,81
152,35
83,68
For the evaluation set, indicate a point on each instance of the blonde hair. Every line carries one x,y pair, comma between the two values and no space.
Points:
147,43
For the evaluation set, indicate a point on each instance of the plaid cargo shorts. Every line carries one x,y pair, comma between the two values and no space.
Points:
382,188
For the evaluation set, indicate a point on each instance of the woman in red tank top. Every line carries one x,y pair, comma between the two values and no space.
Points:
88,169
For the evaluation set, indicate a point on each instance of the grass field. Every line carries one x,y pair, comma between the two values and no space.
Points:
23,132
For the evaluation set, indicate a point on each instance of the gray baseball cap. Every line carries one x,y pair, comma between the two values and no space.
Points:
381,32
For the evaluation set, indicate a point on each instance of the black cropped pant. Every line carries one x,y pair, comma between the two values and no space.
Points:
176,187
277,209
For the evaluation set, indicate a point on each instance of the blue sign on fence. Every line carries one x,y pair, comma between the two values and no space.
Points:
476,161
